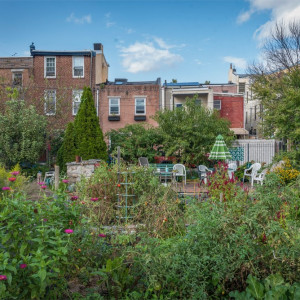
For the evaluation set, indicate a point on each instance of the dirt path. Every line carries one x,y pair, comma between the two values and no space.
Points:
34,191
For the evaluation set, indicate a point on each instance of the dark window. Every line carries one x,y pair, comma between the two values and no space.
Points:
17,79
242,86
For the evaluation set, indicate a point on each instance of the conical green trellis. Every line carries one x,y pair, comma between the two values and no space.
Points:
219,150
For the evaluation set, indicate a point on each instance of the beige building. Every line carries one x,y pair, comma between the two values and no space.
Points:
174,94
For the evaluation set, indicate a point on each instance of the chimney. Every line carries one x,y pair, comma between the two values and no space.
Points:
98,47
230,66
31,47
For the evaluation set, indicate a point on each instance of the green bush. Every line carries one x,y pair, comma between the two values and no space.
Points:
89,137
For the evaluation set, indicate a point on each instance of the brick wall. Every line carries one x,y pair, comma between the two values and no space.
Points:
127,94
64,84
232,108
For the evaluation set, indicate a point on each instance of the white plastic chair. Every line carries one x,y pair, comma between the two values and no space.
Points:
260,177
233,167
251,172
49,177
179,171
202,171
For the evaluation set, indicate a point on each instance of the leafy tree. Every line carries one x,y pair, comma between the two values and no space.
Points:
136,140
22,133
190,132
67,151
89,137
276,83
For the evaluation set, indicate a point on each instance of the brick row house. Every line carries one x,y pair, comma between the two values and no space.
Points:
54,81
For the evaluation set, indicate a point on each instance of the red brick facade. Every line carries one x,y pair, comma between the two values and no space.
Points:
127,93
232,108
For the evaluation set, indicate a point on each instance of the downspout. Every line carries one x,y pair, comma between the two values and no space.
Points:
97,104
91,68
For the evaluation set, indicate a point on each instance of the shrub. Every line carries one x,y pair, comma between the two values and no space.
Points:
89,137
286,172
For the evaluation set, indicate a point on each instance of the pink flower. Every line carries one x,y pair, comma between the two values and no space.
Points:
94,199
73,198
45,220
12,179
6,188
68,231
41,183
43,187
23,266
65,181
102,235
3,277
15,173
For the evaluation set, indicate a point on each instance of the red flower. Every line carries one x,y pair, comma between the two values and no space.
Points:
68,231
12,179
264,238
43,187
102,235
65,181
15,173
73,198
94,199
3,277
119,185
23,266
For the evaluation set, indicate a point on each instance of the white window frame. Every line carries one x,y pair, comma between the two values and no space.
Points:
76,98
73,66
110,105
135,106
220,104
46,93
13,78
45,67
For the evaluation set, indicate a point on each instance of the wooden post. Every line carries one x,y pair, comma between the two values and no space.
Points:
56,177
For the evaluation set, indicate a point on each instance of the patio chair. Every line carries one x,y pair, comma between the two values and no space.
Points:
202,172
49,177
232,166
143,162
260,177
179,171
251,172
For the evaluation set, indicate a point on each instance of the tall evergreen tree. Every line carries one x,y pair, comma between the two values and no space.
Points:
88,134
67,151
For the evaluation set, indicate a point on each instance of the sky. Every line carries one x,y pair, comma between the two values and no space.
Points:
186,40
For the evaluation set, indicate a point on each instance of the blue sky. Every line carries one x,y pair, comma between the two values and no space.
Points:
189,40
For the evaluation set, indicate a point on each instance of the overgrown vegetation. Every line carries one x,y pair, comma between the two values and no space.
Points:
77,246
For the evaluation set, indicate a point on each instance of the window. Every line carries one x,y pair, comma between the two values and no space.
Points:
198,102
225,91
178,105
246,117
242,86
140,106
17,78
76,97
50,102
255,112
217,104
114,106
50,67
78,66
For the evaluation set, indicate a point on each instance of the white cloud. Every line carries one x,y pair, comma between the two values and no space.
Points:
110,24
236,61
26,53
244,17
82,20
144,57
198,61
281,10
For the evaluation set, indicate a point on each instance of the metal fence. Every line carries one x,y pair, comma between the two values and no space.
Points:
256,150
